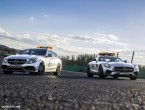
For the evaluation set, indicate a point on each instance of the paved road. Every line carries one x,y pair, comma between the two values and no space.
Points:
71,91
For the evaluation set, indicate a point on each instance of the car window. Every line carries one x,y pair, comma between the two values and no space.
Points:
41,52
54,54
49,54
110,59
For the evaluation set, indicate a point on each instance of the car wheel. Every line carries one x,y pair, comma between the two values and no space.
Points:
41,69
101,73
7,72
133,77
57,71
115,76
88,72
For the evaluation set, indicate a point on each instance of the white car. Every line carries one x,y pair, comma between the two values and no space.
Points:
35,61
106,64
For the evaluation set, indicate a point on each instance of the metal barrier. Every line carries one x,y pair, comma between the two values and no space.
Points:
136,57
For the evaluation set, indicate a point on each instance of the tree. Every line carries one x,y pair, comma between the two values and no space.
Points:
80,60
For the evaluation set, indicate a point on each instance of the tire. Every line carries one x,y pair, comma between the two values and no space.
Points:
115,77
133,77
101,74
57,71
41,69
88,72
7,72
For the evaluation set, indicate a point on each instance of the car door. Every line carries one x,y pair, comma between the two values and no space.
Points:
49,62
55,60
94,66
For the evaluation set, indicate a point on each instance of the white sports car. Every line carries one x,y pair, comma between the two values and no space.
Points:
35,61
108,65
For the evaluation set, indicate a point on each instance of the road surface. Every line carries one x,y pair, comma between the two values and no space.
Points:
70,91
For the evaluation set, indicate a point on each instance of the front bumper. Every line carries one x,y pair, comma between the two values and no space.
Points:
121,74
20,68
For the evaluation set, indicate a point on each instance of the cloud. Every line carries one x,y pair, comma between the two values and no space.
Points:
3,32
31,19
72,50
98,39
65,45
45,15
25,36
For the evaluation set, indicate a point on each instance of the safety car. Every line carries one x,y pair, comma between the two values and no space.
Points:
107,64
34,60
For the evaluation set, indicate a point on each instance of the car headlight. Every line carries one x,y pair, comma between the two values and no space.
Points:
107,65
136,68
30,61
5,60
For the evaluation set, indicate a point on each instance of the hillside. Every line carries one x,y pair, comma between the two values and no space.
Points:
4,50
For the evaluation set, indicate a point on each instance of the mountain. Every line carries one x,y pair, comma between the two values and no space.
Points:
4,50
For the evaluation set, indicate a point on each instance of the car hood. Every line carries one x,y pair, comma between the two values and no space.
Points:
24,56
121,64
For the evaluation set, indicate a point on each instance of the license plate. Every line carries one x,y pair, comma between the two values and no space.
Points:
15,66
125,73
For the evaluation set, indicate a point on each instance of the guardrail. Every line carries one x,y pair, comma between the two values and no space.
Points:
136,57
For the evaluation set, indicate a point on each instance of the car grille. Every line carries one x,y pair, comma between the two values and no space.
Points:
124,69
16,61
16,69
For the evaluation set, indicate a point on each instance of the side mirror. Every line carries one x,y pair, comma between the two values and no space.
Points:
94,59
17,53
49,55
125,61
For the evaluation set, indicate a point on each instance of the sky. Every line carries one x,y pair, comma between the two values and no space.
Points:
73,26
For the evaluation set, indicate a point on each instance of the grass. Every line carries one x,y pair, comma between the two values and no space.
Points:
3,55
142,73
75,68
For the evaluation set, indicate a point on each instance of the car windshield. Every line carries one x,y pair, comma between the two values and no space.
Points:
110,59
41,52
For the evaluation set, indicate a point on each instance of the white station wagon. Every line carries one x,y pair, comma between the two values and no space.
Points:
35,61
106,64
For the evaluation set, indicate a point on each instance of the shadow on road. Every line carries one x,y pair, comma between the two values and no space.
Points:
23,73
64,75
88,78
